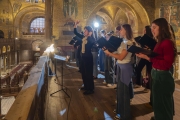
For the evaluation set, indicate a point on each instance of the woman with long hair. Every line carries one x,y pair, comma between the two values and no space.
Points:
162,80
143,63
124,74
86,58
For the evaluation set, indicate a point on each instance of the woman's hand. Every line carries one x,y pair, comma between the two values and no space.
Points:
146,47
143,56
76,23
106,51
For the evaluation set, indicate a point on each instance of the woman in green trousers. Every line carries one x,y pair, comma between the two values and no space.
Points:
163,82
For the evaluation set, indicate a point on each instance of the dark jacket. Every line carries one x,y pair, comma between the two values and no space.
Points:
90,42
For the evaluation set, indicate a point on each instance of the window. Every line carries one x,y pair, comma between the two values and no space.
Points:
37,25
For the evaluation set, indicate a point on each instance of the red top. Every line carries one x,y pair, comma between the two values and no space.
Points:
165,58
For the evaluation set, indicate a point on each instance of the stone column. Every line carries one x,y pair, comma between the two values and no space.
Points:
0,70
48,20
4,62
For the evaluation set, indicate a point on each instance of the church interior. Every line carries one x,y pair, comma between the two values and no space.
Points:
29,74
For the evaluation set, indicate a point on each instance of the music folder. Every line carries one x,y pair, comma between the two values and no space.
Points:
112,45
145,40
135,49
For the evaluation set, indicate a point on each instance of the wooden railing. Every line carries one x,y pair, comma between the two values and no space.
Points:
30,102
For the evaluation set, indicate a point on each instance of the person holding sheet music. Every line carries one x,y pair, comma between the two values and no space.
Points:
86,58
124,74
101,53
108,66
162,80
141,65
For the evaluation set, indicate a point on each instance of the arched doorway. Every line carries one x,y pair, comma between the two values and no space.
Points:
1,34
4,58
36,49
119,12
8,57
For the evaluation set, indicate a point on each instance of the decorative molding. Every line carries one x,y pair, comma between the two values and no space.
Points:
88,6
70,8
16,6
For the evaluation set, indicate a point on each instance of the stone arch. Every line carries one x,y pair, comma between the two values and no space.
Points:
8,48
120,14
21,14
34,17
106,17
1,34
36,45
134,6
4,49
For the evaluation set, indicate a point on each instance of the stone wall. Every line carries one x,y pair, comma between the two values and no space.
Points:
149,6
6,18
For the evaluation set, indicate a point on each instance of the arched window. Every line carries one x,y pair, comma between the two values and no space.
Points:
37,25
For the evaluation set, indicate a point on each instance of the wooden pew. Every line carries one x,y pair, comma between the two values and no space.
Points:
30,102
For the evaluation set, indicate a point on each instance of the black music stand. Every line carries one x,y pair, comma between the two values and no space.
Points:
62,59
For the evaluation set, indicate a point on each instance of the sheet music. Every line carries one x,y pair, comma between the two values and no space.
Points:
62,58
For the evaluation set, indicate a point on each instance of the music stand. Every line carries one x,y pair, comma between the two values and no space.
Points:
62,59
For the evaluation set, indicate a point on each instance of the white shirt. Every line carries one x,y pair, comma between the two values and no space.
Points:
123,45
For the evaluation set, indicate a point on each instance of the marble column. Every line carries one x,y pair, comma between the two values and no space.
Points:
48,20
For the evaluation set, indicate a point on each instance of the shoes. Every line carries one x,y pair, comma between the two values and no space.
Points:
153,118
109,85
117,117
115,88
104,82
137,86
88,92
83,88
95,77
114,111
146,90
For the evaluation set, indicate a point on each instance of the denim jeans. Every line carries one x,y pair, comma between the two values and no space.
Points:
101,60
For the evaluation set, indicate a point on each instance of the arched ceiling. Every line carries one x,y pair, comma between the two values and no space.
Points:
110,10
25,11
22,18
122,11
27,18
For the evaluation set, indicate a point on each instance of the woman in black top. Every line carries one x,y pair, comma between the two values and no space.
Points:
142,63
87,58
